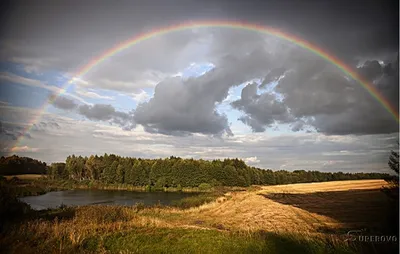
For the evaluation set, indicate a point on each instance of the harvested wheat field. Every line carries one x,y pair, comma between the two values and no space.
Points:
26,176
305,208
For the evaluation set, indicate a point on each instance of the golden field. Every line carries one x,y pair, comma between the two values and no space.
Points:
305,208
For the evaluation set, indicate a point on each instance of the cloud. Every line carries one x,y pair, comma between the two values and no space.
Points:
142,96
91,94
97,112
45,126
309,151
184,106
273,76
317,95
261,111
104,112
175,110
12,131
62,102
251,160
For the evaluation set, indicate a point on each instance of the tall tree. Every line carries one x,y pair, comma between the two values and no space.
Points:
120,174
394,161
111,172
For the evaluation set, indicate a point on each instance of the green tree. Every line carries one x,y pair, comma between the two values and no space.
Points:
110,173
93,168
129,175
120,174
394,162
392,190
205,186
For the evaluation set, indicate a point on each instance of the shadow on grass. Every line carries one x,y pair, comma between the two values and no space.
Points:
370,209
176,240
66,213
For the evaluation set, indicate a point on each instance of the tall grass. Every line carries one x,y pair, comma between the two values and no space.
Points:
99,229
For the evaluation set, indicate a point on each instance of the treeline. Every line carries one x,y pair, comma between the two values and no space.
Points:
178,172
15,165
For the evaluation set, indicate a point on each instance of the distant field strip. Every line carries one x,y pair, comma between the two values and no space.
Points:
25,177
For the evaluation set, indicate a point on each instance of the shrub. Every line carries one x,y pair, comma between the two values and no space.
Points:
102,214
139,206
205,186
10,206
215,183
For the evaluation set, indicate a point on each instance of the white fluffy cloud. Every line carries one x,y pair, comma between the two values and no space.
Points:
91,94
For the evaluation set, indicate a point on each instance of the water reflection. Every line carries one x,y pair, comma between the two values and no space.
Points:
109,197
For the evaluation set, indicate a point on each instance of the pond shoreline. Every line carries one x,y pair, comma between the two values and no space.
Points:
85,197
39,186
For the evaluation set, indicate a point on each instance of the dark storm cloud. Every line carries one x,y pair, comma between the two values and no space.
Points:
12,131
346,29
273,76
319,96
189,106
261,110
45,126
103,112
178,109
63,103
97,112
349,30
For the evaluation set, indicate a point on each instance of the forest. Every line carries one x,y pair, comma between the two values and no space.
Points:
169,172
15,165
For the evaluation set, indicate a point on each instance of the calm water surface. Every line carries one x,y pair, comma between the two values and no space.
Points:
107,197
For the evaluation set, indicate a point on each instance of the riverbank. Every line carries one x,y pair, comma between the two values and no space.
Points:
298,218
19,187
32,185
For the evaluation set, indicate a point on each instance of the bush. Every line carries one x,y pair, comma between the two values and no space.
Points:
215,183
192,201
102,214
139,206
205,187
10,206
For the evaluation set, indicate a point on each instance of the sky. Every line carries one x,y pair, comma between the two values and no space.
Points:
206,92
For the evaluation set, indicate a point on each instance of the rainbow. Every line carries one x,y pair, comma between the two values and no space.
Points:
218,24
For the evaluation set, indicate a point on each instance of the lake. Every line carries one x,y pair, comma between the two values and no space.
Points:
106,197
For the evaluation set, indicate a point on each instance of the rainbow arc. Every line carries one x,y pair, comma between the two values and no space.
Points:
370,88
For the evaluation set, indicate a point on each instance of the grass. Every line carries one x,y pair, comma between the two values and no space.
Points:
298,218
201,199
166,240
121,230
